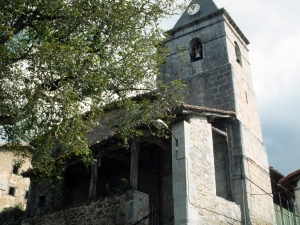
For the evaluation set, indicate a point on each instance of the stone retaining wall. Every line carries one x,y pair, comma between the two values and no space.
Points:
114,210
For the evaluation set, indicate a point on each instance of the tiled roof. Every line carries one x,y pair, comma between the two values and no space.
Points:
206,109
292,176
4,145
206,7
275,174
22,144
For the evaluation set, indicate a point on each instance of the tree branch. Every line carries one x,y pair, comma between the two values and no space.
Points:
23,56
26,20
7,120
55,85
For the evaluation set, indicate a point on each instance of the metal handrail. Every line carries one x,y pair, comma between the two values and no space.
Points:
147,217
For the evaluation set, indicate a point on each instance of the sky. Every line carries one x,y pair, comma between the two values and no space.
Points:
273,29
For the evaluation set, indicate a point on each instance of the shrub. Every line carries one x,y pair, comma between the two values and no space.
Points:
12,215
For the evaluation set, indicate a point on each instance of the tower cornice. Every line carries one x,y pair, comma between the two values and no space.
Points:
221,11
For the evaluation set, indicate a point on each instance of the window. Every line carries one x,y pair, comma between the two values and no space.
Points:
15,169
196,52
238,54
42,201
26,194
11,191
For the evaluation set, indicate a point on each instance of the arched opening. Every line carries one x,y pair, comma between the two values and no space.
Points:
238,54
196,52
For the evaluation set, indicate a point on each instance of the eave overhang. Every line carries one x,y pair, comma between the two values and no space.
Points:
208,17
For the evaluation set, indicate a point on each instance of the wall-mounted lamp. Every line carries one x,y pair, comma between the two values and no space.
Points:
160,125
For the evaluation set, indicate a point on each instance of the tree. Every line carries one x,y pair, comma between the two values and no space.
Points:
64,62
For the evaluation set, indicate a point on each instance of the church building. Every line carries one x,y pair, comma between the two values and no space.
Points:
215,168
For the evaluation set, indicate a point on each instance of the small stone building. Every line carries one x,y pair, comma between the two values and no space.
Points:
291,184
13,187
214,170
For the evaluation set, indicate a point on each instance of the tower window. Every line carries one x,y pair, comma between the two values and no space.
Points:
238,54
196,52
11,191
15,169
42,201
26,194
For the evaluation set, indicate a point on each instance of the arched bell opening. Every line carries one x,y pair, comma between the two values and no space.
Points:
196,52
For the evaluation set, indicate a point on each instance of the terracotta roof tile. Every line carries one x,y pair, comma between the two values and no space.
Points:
206,109
292,176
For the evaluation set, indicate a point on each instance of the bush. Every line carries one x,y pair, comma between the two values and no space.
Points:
12,215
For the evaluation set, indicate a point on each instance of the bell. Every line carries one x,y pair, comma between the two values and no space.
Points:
198,54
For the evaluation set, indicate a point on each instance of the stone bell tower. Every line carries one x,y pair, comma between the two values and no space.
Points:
209,52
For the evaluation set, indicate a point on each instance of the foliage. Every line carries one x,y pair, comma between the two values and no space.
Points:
123,185
12,215
63,63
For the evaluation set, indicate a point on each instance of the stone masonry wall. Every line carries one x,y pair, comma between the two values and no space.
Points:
211,208
250,157
250,176
255,163
9,179
114,210
194,187
209,81
211,88
251,163
245,97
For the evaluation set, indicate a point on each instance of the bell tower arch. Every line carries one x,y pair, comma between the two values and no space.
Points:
196,52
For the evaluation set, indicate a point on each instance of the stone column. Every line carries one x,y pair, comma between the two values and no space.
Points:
93,181
193,169
297,197
135,147
31,196
135,207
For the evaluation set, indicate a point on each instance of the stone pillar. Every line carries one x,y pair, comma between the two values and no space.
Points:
193,169
297,198
31,196
93,181
136,207
135,147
